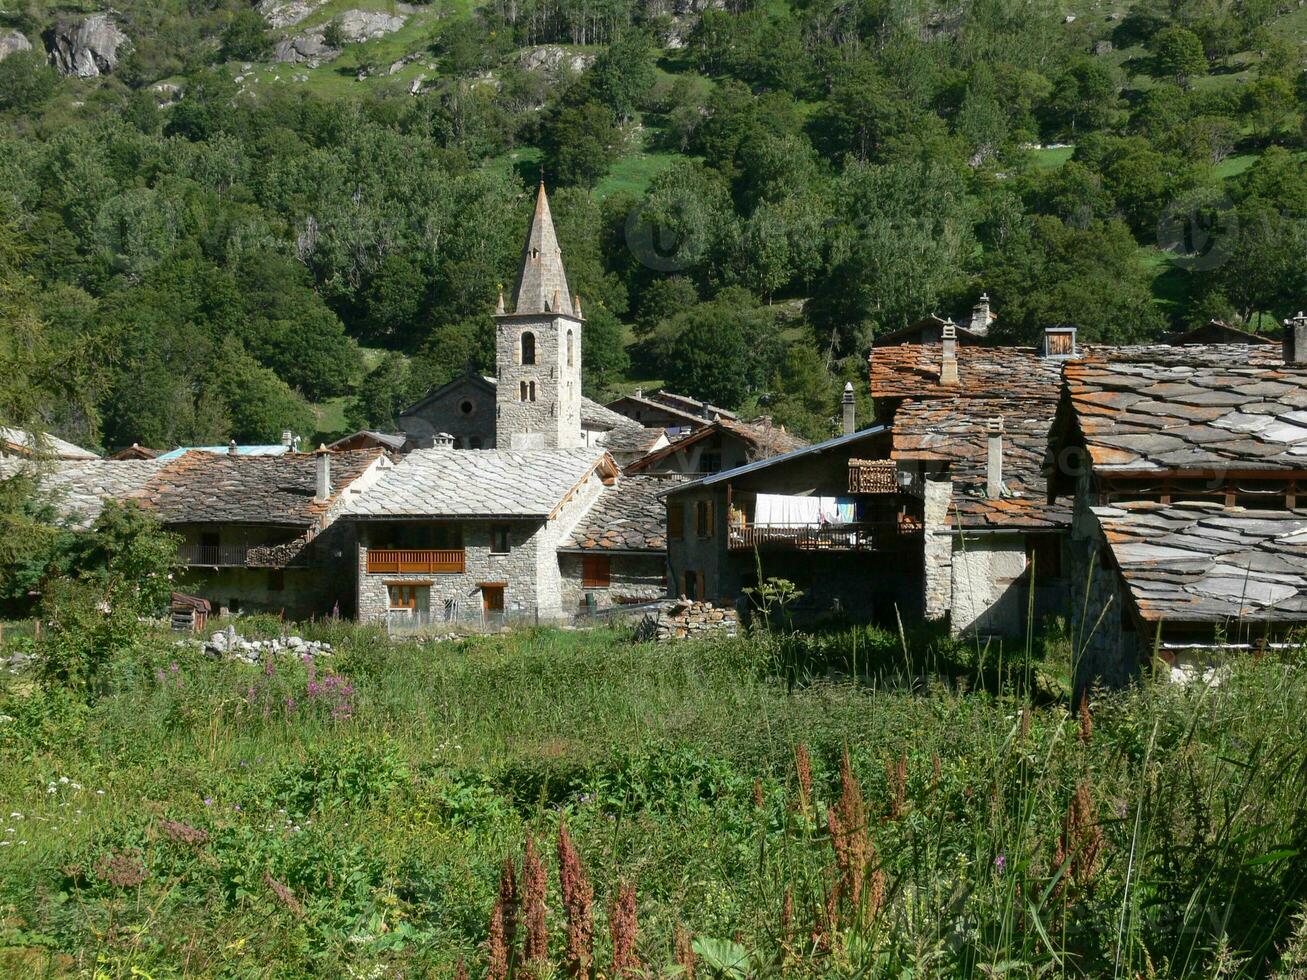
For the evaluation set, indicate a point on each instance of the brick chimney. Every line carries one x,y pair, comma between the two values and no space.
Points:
948,368
849,410
1295,339
994,461
322,491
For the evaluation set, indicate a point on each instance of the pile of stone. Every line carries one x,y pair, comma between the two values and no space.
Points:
230,645
683,618
16,661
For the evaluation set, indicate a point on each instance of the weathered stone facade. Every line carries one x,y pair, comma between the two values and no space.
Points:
633,579
464,408
937,549
528,572
539,382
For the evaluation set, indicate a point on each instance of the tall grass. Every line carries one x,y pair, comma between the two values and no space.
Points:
248,827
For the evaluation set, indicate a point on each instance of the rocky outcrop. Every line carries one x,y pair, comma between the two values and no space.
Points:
552,59
11,42
354,26
286,13
367,25
86,48
312,48
683,619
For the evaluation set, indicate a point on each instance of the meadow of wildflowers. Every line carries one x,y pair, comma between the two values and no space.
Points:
575,804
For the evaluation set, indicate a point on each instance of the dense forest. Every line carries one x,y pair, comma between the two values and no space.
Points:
205,240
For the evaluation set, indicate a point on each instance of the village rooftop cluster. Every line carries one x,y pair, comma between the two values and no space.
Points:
1154,497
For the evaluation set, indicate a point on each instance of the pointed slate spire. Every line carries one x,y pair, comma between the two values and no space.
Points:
542,285
499,307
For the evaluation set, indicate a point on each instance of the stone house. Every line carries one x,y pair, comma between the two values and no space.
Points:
617,555
970,423
722,444
678,414
473,537
261,533
1188,471
848,535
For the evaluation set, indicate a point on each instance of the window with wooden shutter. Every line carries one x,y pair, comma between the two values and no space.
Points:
595,571
703,515
676,521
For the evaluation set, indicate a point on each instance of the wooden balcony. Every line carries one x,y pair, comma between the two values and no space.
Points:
881,536
402,561
214,555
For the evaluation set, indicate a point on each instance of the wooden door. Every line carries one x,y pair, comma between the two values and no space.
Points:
492,600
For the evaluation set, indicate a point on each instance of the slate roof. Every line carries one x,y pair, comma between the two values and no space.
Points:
596,416
388,440
682,406
434,483
277,449
630,516
21,442
1212,408
78,489
204,488
632,438
1204,563
912,371
542,283
763,440
1219,332
956,430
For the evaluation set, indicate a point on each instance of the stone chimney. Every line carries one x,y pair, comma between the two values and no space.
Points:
287,438
849,410
1295,339
442,440
979,324
994,462
322,491
231,449
948,368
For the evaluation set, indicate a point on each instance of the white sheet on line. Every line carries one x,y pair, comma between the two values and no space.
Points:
776,508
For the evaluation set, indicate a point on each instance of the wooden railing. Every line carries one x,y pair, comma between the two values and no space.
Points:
213,555
884,536
402,561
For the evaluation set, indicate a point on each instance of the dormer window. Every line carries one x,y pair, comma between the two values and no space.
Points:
528,348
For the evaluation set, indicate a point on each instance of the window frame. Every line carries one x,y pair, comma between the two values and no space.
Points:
526,338
496,530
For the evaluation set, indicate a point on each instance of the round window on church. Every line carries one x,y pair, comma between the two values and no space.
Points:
466,406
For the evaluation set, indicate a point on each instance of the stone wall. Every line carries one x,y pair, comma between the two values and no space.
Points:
709,555
990,594
682,619
937,548
633,579
517,569
1104,643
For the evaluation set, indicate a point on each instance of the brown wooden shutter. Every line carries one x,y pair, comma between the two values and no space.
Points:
699,586
676,521
595,571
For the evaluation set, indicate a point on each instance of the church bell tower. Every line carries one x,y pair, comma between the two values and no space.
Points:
538,348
